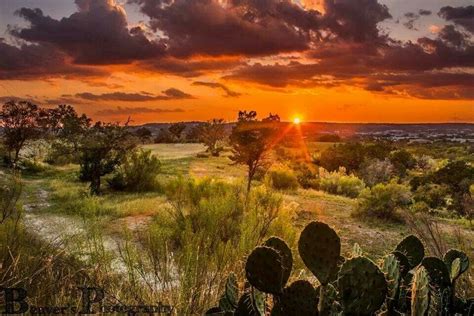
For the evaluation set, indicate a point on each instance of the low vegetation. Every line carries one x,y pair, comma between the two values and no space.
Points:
183,222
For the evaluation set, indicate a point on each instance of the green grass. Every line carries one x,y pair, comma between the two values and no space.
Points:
175,151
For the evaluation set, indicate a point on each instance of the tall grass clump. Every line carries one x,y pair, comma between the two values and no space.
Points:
204,234
282,179
137,173
338,182
73,198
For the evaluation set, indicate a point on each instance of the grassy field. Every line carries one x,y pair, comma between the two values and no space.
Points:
68,196
57,206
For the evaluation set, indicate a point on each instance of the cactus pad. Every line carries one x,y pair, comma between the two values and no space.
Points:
230,298
420,292
404,263
391,269
299,298
437,272
320,247
251,303
286,256
413,249
362,286
264,270
451,255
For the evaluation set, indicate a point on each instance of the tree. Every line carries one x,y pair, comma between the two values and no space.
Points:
21,123
251,141
176,130
349,156
102,148
402,160
144,134
211,133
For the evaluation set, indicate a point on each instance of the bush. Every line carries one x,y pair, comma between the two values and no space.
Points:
383,201
434,195
307,175
137,173
338,182
376,171
282,179
420,207
31,166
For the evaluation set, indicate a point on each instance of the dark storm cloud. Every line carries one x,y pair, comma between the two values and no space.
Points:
138,110
355,20
39,61
169,94
216,85
259,27
242,28
463,16
96,34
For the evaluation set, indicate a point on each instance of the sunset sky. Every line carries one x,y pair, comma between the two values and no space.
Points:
181,60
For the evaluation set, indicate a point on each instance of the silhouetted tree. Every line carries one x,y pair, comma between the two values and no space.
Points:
211,133
251,141
21,122
144,134
402,160
102,148
176,130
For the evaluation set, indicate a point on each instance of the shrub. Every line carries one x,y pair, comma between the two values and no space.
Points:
10,193
307,175
282,179
338,182
434,195
376,171
210,226
383,201
137,173
420,207
31,166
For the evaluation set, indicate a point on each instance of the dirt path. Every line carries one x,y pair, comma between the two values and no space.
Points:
71,233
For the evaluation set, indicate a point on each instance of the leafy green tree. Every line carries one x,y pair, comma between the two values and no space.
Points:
251,141
21,122
211,133
102,148
349,156
458,175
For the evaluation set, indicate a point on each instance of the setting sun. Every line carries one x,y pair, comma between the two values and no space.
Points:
296,120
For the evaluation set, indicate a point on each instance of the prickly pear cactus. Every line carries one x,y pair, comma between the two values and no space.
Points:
420,292
251,303
230,297
264,270
320,247
362,286
413,249
450,256
299,298
328,306
286,256
391,269
437,272
404,263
